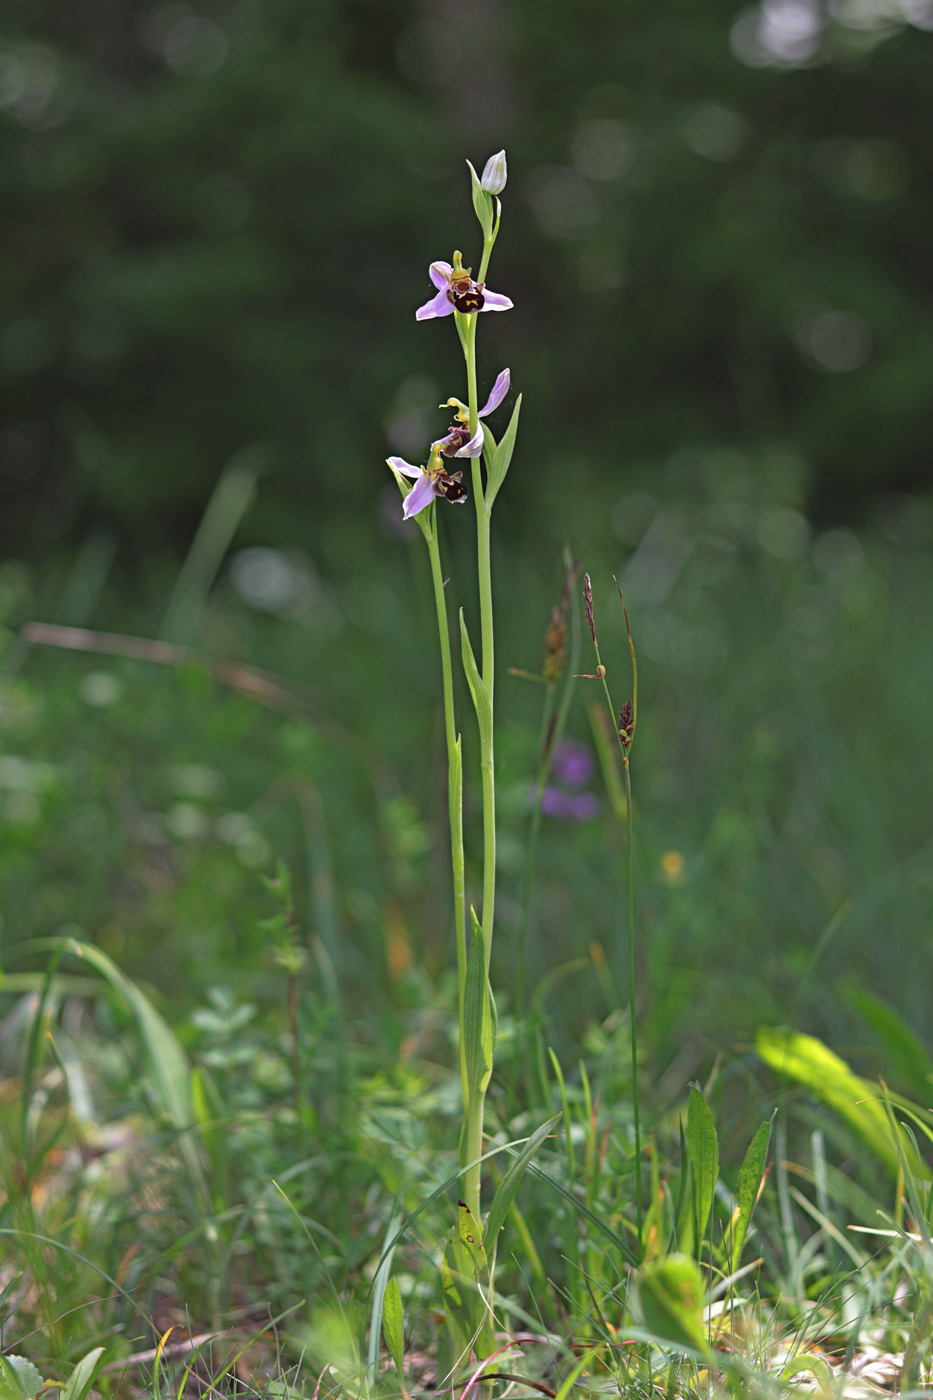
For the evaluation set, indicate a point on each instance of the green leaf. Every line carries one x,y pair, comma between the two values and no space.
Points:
465,1278
482,203
393,1326
809,1062
908,1054
166,1060
671,1293
750,1174
19,1379
508,1186
500,463
477,1014
814,1364
703,1150
478,691
83,1375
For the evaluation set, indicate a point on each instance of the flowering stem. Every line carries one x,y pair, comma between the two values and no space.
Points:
484,572
454,778
472,1144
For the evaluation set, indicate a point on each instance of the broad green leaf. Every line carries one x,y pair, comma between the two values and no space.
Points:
503,457
750,1174
477,1014
809,1062
480,694
508,1186
393,1325
671,1293
703,1150
908,1054
482,203
465,1277
814,1364
19,1379
82,1377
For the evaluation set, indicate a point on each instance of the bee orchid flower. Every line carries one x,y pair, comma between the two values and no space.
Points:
430,481
458,292
458,442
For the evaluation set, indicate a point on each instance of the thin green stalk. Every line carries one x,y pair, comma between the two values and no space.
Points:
487,670
624,735
454,779
475,1095
633,1016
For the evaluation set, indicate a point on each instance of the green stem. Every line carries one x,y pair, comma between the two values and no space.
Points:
633,1016
484,574
454,782
472,1145
630,881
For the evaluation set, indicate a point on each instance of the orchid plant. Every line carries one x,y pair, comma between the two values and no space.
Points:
469,439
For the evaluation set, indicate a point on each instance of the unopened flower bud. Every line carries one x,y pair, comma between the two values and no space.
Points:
600,672
495,174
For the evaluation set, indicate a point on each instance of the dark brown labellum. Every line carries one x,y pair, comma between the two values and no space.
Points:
468,299
451,487
459,437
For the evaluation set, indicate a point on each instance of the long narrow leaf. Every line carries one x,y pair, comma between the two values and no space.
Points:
703,1147
377,1311
503,457
828,1077
393,1324
508,1186
481,701
750,1175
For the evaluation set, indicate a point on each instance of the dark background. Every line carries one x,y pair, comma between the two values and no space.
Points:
218,219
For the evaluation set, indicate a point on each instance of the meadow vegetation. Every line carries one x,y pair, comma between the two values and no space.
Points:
240,1104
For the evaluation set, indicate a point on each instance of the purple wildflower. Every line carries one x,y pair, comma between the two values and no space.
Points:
572,768
458,292
573,763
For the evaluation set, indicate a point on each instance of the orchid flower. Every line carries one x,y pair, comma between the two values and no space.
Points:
430,481
458,292
434,479
458,442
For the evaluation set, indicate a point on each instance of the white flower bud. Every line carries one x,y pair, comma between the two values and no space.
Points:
495,174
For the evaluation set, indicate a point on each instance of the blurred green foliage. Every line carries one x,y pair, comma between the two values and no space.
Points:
218,219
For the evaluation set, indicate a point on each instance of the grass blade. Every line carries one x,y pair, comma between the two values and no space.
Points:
508,1186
